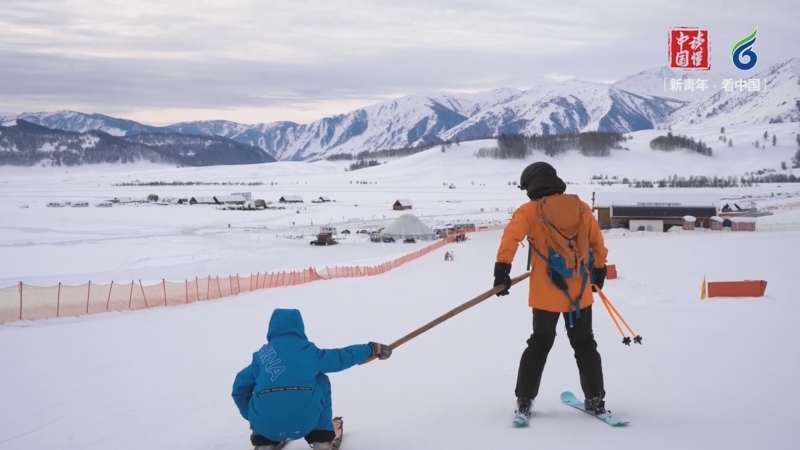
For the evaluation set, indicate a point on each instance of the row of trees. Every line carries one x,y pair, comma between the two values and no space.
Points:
363,164
672,142
191,183
399,152
713,182
518,146
796,159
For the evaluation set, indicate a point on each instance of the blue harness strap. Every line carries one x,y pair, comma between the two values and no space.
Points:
555,262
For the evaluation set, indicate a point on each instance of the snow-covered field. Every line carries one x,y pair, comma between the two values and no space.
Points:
45,246
161,378
705,376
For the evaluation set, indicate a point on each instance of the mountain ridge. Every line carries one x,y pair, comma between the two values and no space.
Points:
637,102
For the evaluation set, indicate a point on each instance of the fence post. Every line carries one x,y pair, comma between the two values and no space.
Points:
238,285
130,297
20,300
164,286
143,296
58,301
197,287
108,300
186,288
88,292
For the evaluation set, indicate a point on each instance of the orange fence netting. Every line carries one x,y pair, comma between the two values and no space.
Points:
28,302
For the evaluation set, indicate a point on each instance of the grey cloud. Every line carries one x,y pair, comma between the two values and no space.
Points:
238,54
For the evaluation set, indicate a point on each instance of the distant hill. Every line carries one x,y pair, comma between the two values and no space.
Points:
29,144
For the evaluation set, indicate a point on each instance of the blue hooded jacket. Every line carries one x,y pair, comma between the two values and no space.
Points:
283,393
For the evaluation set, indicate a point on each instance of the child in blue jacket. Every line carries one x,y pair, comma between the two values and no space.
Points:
284,392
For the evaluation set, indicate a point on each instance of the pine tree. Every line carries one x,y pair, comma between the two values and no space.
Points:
722,130
774,140
766,135
730,142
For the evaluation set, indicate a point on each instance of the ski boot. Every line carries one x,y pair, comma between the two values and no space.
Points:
523,412
321,446
595,405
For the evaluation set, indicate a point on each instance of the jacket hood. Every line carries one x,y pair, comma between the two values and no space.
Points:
286,322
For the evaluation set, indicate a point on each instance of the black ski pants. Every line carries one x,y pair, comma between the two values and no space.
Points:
581,338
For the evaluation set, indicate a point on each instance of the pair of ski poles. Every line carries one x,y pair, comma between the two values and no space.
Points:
612,311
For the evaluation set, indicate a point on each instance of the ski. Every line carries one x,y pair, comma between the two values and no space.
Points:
569,399
521,421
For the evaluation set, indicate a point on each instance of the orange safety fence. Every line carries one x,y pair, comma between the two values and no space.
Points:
28,302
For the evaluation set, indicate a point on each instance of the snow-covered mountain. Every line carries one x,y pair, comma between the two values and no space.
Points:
778,100
81,123
569,107
28,144
637,102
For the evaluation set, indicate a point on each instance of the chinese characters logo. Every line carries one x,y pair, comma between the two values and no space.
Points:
688,49
745,48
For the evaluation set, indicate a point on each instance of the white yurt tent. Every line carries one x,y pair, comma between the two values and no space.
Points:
408,225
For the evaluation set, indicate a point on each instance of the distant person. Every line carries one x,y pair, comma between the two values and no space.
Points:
284,392
447,256
568,254
452,256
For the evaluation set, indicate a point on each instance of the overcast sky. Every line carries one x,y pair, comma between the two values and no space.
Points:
164,61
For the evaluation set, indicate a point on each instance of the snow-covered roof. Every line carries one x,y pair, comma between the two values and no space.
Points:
653,197
204,199
404,202
742,219
407,224
690,218
718,219
229,198
292,198
324,198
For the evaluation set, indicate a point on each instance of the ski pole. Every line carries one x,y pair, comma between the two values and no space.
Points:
463,307
637,339
625,339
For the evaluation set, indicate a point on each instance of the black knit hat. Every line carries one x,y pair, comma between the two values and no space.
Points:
540,179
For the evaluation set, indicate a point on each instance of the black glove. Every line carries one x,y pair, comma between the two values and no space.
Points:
502,277
382,351
599,278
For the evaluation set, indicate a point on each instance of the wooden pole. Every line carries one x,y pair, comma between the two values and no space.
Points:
463,307
108,300
20,300
58,301
88,292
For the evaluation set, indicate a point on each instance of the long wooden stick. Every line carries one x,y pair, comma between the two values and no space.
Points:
450,314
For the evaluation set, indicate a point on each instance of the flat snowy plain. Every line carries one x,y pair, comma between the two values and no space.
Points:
160,379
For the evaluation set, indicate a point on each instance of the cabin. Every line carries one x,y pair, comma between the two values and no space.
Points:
743,223
80,205
402,204
646,210
230,199
291,199
56,205
104,205
202,201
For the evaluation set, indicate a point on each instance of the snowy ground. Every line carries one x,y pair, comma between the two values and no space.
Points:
45,246
704,378
161,378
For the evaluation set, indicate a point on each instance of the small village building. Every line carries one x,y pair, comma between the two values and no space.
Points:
80,205
230,199
402,204
202,201
649,210
689,222
716,223
104,205
260,203
291,199
743,223
56,204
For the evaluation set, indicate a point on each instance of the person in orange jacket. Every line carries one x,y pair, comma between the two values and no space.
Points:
567,255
